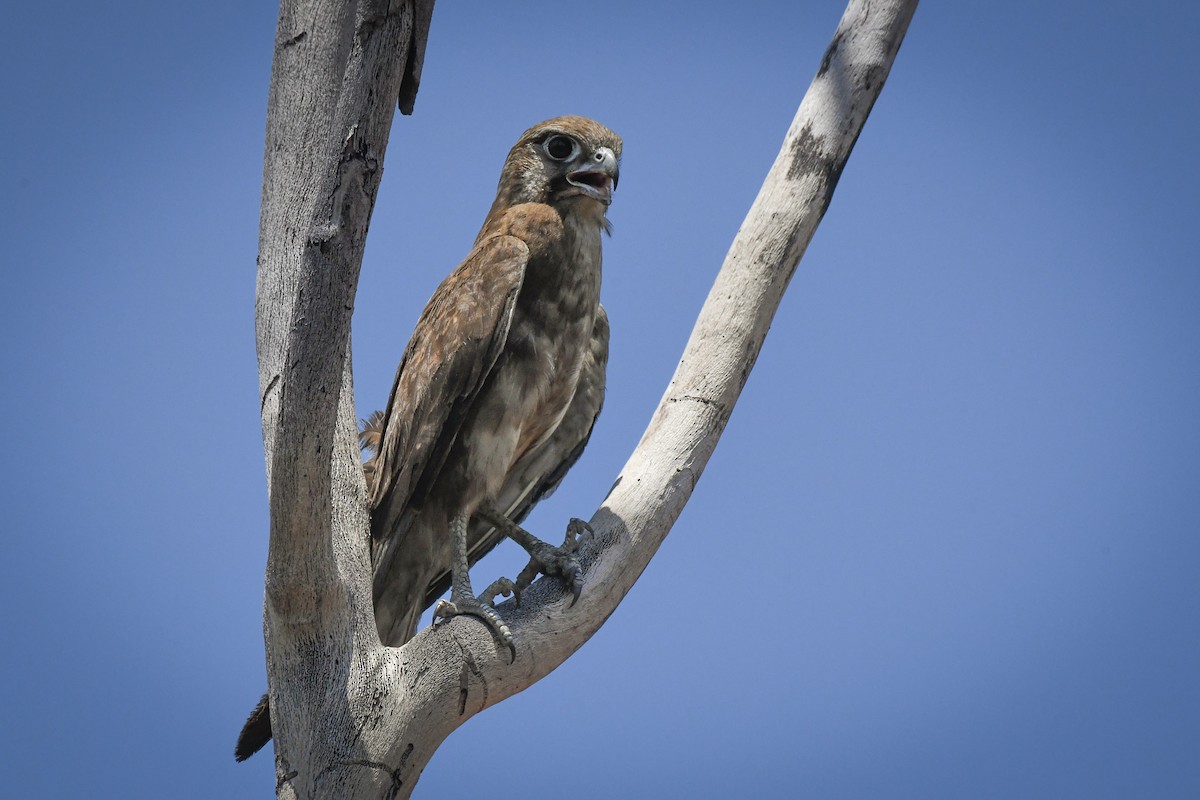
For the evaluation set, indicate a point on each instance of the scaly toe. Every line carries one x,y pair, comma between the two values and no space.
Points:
501,587
474,607
561,563
578,531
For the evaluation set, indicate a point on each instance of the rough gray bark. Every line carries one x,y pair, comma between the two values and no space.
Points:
353,718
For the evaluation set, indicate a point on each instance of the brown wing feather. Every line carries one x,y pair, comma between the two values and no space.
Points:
538,474
456,342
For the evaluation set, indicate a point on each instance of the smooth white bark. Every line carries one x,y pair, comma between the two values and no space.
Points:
356,719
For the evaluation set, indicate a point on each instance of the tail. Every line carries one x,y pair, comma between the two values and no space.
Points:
256,732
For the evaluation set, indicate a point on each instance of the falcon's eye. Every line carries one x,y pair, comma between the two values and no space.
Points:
560,147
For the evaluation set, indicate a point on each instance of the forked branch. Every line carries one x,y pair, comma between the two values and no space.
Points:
353,718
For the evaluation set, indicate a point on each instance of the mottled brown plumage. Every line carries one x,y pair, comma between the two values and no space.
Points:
493,364
539,473
499,386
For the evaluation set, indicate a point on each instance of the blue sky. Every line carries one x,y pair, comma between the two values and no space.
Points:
947,548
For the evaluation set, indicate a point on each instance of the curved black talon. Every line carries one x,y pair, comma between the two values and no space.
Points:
576,585
576,530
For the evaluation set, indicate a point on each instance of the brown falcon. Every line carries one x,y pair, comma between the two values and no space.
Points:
497,391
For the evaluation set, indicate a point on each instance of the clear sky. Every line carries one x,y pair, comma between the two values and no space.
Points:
949,546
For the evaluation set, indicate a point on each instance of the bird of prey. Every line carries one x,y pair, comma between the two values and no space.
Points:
496,394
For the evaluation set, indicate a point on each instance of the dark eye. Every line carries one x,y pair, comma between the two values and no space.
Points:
560,147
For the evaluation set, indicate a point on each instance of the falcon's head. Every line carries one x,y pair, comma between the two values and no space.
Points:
565,160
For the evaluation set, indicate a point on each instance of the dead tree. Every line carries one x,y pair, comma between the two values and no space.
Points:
351,717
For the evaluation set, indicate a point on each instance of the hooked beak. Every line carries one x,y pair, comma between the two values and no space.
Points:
598,178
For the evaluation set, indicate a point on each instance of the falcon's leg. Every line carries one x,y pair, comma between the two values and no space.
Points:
544,558
462,600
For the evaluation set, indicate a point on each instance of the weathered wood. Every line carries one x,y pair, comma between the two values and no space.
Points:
338,73
354,718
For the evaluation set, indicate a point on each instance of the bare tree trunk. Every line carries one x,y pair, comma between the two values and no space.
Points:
351,717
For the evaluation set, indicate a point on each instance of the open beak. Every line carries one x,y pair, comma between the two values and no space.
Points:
598,178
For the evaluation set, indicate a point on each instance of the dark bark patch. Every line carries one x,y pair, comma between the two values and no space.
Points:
469,668
830,53
808,159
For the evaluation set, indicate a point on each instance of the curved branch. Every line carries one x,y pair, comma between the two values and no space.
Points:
452,671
